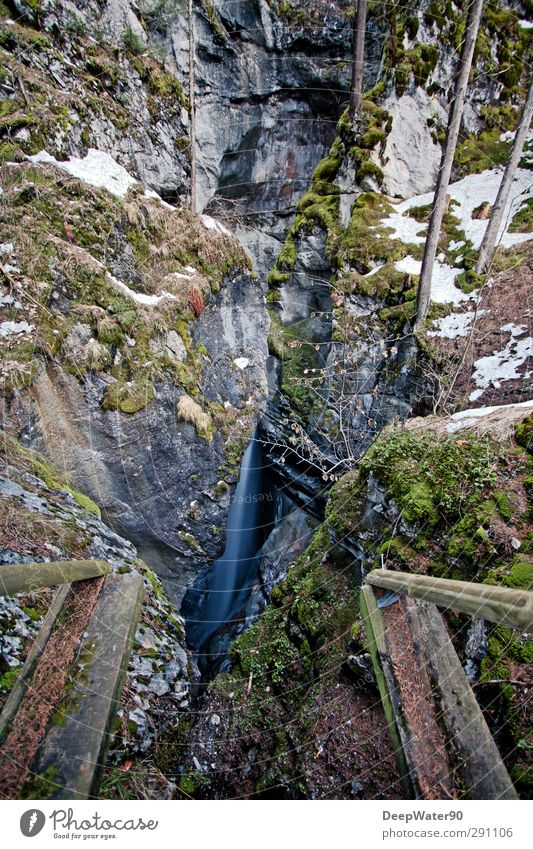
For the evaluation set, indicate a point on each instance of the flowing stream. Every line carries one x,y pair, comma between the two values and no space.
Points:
214,604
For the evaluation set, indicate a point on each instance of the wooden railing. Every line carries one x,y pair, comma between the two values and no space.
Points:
29,577
73,749
407,623
506,606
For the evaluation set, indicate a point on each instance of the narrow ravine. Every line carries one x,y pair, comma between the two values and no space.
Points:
213,606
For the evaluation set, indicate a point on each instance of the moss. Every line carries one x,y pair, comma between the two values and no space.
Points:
503,503
41,785
128,397
524,433
295,346
523,219
520,576
8,679
38,466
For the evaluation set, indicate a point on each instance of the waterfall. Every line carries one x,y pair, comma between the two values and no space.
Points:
228,584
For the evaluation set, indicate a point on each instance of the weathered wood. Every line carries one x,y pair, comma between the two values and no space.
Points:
375,632
28,577
513,608
424,741
482,770
78,737
19,688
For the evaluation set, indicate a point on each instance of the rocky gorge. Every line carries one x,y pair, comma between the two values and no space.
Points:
144,347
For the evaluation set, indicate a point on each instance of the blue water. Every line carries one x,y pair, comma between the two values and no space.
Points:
221,600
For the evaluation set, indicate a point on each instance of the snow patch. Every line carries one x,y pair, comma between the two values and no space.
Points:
405,229
212,224
455,325
98,169
242,362
502,365
7,248
443,288
140,297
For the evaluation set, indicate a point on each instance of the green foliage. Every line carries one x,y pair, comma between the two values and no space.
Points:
132,42
128,397
431,478
523,219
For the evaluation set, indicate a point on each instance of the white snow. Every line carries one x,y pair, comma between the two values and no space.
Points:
139,297
468,417
6,248
10,328
454,325
502,365
525,24
443,288
242,362
471,192
405,229
98,169
212,224
178,275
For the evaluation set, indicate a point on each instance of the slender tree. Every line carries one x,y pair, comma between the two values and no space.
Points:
192,107
358,55
488,244
452,134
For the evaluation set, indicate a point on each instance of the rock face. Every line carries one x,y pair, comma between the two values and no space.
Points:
43,521
153,476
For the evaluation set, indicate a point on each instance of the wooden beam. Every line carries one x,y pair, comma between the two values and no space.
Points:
19,688
28,577
481,767
513,608
79,734
388,691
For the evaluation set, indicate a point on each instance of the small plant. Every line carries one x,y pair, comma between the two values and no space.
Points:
74,24
132,42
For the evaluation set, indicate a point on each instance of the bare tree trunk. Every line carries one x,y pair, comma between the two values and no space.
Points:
358,55
452,134
192,108
488,244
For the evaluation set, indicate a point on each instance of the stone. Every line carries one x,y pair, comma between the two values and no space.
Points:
159,685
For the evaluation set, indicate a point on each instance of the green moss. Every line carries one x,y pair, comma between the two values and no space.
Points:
523,219
503,503
295,346
521,576
8,679
38,466
41,785
524,433
128,397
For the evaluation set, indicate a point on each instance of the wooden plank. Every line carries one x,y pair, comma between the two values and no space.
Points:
28,577
513,608
480,764
78,737
375,632
425,742
19,688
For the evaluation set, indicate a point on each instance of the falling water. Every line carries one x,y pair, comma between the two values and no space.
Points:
230,578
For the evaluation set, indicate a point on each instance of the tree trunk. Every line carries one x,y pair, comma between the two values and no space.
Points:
358,55
452,134
488,244
192,108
